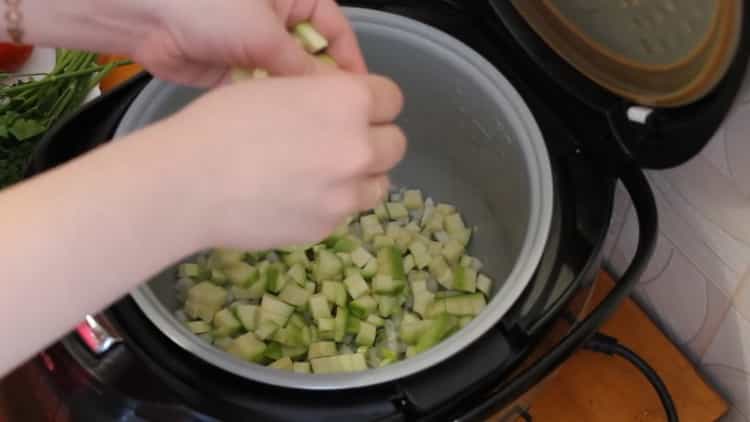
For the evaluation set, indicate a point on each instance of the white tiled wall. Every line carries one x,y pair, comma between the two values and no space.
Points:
698,283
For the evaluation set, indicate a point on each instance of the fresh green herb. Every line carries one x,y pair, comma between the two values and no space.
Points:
31,105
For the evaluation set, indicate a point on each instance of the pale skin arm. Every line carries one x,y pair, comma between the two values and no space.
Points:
80,236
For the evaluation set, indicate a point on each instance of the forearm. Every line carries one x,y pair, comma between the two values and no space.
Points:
78,237
113,26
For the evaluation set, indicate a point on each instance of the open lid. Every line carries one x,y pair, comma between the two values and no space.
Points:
662,53
664,72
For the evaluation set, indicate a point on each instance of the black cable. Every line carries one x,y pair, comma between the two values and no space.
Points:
605,344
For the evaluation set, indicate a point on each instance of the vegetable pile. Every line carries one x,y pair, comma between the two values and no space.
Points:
29,106
386,285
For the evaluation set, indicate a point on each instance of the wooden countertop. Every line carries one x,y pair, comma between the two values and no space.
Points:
593,387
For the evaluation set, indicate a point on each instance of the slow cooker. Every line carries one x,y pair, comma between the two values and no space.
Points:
591,95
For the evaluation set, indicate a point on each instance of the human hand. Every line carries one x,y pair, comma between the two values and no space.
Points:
199,40
275,162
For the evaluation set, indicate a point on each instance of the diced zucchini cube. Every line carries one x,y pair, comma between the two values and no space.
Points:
360,257
445,209
278,284
366,335
370,269
372,230
356,286
190,270
321,349
391,263
362,306
340,323
464,321
341,363
352,324
454,223
484,284
434,309
351,271
412,227
198,327
256,291
375,320
387,305
296,258
222,256
422,299
319,306
410,317
438,266
275,310
446,279
413,199
273,351
294,295
465,279
328,266
435,248
204,300
410,332
381,241
381,212
296,320
248,316
421,255
452,251
435,223
385,284
411,351
218,277
418,275
347,244
301,367
222,343
247,347
266,329
465,305
396,210
440,328
240,273
335,292
284,363
297,274
345,258
325,324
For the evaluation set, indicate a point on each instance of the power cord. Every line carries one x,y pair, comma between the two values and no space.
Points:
603,343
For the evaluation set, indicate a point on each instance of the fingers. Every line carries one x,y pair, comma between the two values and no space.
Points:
328,18
386,101
287,57
388,144
372,191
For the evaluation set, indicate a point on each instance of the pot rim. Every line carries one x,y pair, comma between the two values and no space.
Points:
540,193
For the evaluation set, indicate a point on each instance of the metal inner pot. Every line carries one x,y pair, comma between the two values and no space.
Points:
472,142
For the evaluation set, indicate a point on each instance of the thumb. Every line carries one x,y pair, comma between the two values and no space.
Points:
286,57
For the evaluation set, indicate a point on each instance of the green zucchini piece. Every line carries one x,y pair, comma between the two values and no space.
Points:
465,305
223,343
413,199
275,310
396,210
321,349
218,277
352,324
335,292
345,258
435,309
387,305
301,367
366,335
255,291
462,236
360,257
351,362
435,223
247,347
319,306
380,241
422,300
221,257
370,269
465,279
284,363
340,323
356,286
198,327
375,320
273,351
440,328
411,332
454,223
408,263
296,258
347,243
248,316
328,266
390,263
445,209
484,284
266,329
452,251
381,212
190,270
325,324
240,273
294,295
362,306
384,284
297,274
204,300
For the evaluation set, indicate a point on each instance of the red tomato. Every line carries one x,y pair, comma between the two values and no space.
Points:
14,56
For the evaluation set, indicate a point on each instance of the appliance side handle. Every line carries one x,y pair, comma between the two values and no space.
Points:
645,206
